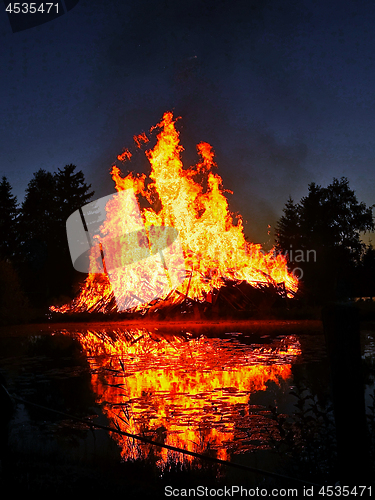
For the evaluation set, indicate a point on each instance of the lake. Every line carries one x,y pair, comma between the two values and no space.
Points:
218,389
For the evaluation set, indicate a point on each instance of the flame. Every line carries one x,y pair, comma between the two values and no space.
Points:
192,394
193,202
126,155
138,139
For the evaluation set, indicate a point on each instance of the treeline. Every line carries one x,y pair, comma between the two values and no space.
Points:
322,236
35,264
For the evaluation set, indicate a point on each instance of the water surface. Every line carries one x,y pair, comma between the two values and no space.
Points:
204,388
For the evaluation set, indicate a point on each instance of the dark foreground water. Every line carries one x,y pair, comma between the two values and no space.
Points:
254,393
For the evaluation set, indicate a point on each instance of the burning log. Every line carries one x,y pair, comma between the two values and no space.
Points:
232,299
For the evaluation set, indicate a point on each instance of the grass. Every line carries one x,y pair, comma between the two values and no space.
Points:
47,471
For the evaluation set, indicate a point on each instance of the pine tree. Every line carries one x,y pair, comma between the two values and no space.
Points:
288,236
72,192
50,199
39,208
8,221
13,303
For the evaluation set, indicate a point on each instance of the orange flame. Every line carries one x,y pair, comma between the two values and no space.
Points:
138,139
126,155
193,202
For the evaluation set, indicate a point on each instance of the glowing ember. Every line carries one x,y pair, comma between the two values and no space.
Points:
193,202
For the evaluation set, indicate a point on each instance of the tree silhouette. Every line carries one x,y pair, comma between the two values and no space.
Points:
37,218
329,221
71,192
8,221
50,198
288,233
13,302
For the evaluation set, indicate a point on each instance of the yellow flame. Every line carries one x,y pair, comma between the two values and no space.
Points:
193,202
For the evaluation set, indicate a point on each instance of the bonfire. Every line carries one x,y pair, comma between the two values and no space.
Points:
219,263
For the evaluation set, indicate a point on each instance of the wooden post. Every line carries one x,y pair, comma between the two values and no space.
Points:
342,334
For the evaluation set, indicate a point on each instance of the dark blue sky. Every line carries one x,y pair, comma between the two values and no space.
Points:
283,91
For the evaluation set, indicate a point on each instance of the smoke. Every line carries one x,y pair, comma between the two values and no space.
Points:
206,62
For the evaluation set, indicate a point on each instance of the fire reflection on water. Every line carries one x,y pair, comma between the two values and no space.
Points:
192,393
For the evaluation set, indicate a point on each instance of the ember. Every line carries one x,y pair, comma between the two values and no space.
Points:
216,254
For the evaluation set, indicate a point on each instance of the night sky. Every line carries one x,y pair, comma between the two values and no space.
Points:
282,90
